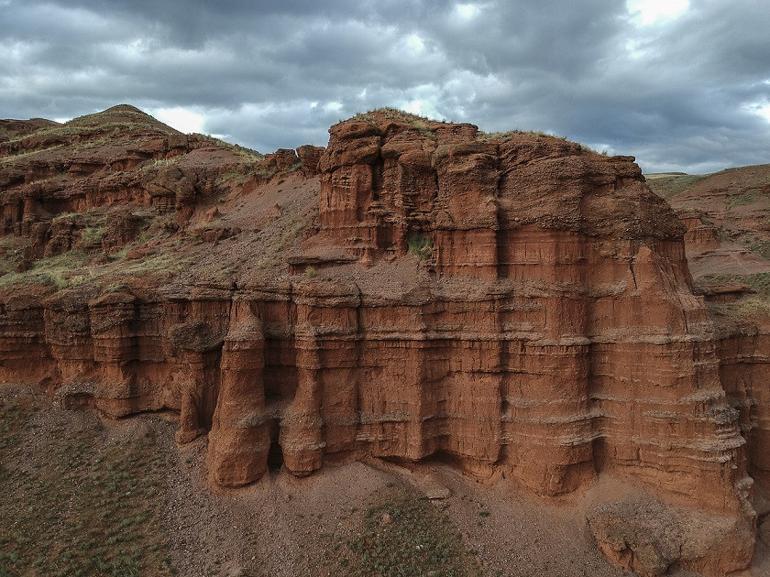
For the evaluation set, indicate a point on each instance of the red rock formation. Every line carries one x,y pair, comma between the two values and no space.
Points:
515,303
727,245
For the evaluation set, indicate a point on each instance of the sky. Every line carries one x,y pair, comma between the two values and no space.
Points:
680,84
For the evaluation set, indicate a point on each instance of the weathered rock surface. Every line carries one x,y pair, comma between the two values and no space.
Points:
514,303
728,240
649,539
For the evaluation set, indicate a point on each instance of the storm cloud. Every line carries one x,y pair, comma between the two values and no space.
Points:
681,84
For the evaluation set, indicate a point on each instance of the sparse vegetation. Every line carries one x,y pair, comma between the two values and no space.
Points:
247,153
422,124
670,184
751,306
760,282
92,236
61,271
158,163
74,505
420,245
76,267
404,535
760,247
504,135
742,199
11,254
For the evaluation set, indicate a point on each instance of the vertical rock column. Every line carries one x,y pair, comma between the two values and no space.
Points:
744,372
239,440
653,409
465,210
191,374
324,407
25,354
301,436
113,316
196,350
546,421
68,332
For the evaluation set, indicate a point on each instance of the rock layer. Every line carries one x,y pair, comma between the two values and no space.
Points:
514,303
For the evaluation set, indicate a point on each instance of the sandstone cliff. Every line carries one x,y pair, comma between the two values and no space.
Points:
727,243
513,303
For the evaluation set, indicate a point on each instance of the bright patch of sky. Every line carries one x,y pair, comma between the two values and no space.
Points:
761,109
466,11
654,12
333,106
422,107
183,119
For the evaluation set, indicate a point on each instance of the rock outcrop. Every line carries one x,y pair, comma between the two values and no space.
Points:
514,303
727,242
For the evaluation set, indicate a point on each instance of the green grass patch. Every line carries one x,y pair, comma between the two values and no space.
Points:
404,535
62,271
92,235
420,245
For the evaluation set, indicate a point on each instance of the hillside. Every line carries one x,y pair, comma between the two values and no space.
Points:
728,238
417,300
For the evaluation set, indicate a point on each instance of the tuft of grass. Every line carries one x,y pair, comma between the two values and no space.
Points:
160,163
92,235
405,535
420,245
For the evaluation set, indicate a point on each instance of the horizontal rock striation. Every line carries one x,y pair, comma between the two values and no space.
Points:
514,303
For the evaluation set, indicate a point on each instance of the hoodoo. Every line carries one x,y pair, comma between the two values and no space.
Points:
513,303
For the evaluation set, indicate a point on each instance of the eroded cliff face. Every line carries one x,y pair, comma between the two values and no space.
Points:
726,215
513,303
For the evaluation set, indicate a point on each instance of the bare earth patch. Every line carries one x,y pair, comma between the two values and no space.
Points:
92,497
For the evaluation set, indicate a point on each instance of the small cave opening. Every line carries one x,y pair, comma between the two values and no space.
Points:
275,453
274,457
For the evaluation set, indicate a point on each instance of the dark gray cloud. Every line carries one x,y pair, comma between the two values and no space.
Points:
683,85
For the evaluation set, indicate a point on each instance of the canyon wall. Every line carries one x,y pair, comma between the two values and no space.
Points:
515,304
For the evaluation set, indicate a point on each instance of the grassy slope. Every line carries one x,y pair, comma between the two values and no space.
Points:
75,503
668,185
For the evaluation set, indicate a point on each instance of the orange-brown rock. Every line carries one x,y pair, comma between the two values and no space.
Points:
727,215
514,303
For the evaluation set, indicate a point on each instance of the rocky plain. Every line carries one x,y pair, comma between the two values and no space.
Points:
420,350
